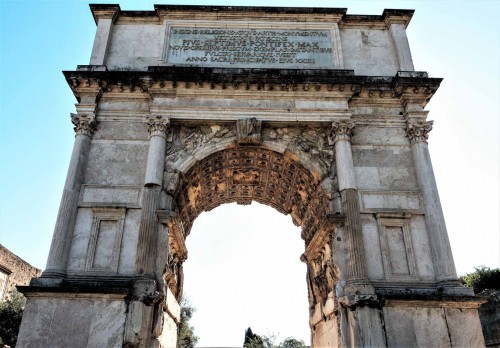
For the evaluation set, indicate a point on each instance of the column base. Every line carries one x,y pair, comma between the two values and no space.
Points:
411,321
90,311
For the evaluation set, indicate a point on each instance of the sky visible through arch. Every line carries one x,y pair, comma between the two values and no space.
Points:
456,40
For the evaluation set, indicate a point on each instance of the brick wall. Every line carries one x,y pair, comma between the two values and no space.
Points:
14,271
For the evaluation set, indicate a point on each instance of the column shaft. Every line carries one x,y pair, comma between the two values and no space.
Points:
350,202
148,231
345,165
443,258
65,223
356,260
149,227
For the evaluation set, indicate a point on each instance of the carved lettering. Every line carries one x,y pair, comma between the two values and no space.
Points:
243,47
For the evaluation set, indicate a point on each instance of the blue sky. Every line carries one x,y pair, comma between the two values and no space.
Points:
457,40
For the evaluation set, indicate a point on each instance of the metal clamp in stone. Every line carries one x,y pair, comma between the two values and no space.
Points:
418,131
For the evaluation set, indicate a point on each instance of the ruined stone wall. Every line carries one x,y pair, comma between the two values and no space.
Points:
15,271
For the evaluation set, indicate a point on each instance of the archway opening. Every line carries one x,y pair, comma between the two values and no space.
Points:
244,270
245,174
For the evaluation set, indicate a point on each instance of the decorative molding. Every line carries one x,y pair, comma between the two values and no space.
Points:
418,131
158,125
344,83
318,242
341,130
249,131
390,256
117,217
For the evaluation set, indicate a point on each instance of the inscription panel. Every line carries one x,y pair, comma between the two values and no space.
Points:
253,48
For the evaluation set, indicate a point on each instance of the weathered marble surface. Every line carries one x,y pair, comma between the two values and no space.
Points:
341,151
58,321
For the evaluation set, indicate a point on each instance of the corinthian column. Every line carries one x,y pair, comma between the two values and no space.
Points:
418,132
341,133
85,125
148,230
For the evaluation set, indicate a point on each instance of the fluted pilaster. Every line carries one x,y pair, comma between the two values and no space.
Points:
341,133
85,126
418,133
149,226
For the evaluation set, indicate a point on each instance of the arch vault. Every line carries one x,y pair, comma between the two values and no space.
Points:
314,112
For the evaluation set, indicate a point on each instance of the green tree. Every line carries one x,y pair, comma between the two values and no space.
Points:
483,278
252,340
186,337
269,341
11,313
291,342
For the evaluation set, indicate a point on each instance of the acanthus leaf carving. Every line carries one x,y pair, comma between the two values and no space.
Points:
418,131
85,124
158,125
341,130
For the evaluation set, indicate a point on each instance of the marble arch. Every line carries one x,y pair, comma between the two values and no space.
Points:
186,107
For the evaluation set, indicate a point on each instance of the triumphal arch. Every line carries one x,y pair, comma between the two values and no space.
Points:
314,112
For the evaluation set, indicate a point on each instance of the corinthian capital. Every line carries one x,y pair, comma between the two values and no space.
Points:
158,125
341,130
85,124
418,131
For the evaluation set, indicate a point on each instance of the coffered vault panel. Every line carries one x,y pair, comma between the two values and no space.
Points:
243,174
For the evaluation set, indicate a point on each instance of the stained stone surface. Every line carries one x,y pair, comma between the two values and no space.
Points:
72,322
185,108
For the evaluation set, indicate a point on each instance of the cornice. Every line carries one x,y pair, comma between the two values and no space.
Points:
109,11
165,81
259,13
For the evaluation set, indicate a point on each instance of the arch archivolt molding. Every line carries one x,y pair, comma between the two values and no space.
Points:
288,168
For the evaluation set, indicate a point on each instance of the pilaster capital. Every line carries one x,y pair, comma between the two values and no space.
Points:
158,125
418,131
85,124
341,130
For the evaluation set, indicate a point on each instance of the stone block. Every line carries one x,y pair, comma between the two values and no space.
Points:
464,327
430,327
67,322
125,195
128,251
121,130
369,52
374,266
325,334
399,327
134,46
116,163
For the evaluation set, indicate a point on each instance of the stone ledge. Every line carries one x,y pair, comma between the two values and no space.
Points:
341,83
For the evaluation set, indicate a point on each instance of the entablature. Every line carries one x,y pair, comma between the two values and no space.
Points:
416,87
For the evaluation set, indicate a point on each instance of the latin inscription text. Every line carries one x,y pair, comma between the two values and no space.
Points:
250,47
